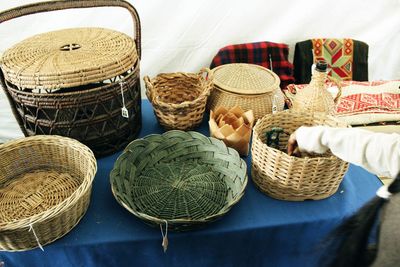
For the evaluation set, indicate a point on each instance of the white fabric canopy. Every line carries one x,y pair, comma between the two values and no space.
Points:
179,35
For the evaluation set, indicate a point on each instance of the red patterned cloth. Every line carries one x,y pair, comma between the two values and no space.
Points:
347,58
260,53
358,103
338,53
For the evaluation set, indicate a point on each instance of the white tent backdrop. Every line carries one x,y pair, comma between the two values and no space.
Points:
184,35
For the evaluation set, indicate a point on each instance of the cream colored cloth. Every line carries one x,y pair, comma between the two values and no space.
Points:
378,153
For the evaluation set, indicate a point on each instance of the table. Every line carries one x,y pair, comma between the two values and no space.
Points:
258,231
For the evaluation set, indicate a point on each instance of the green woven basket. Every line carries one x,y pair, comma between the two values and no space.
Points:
182,179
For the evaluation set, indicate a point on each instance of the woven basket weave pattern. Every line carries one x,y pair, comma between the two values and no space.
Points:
92,116
190,150
179,99
84,67
291,178
43,62
248,86
41,157
260,104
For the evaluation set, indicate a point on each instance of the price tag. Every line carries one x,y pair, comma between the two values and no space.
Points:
125,112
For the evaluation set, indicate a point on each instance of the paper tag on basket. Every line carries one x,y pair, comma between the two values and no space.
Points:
164,243
125,112
275,104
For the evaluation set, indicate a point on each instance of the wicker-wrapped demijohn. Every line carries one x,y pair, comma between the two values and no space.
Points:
315,97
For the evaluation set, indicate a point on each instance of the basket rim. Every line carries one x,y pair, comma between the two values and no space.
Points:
269,93
155,100
59,208
256,137
135,71
144,216
268,88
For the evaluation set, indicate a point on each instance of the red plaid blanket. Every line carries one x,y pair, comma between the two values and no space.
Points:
260,53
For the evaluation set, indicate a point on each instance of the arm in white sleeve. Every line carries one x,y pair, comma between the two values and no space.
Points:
379,153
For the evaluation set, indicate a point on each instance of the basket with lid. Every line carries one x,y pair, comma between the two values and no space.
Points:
249,86
81,83
286,177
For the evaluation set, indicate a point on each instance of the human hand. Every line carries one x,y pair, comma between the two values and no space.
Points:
293,147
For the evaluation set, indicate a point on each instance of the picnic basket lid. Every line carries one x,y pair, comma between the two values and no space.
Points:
243,78
68,58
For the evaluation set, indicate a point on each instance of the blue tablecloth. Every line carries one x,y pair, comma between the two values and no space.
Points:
258,231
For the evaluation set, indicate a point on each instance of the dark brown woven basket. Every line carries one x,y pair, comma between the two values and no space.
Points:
87,111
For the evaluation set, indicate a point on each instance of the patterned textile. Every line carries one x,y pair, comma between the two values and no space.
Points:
260,53
347,57
369,103
339,55
363,103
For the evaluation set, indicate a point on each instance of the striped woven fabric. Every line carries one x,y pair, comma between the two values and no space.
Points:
261,53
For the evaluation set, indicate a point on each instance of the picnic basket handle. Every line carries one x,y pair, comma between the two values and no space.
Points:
68,4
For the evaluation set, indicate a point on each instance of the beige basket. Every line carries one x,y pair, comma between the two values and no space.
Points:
291,178
248,86
45,186
179,99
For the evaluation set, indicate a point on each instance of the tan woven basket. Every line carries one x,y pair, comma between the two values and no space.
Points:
286,177
45,186
248,86
179,99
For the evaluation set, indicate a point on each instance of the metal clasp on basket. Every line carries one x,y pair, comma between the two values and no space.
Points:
124,110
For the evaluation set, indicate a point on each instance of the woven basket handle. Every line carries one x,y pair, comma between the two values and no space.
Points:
68,4
339,86
149,88
209,76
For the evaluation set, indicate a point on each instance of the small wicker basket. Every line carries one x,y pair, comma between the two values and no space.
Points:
248,86
45,186
179,99
180,180
286,177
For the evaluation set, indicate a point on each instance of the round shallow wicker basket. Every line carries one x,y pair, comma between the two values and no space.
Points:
45,186
248,86
286,177
179,99
180,179
75,82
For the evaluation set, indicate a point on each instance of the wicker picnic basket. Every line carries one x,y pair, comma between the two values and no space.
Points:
179,180
286,177
45,186
248,86
179,99
81,83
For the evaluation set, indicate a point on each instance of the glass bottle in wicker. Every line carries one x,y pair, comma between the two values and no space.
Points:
314,97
